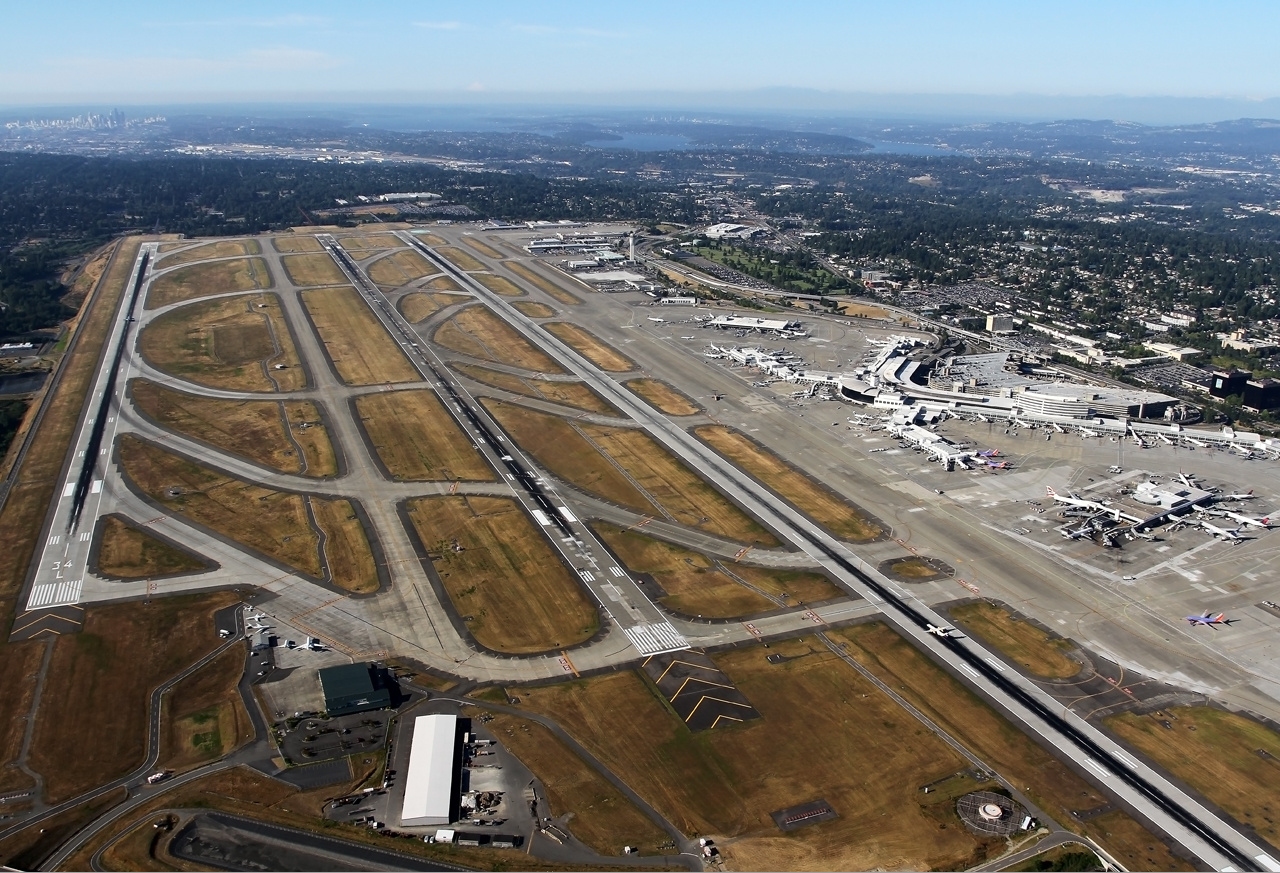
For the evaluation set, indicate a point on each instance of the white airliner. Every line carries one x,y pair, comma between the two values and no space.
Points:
1232,534
1074,501
1248,495
1247,519
938,631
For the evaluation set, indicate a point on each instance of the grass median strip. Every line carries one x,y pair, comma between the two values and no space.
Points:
627,467
460,259
400,268
308,270
542,283
362,351
501,574
478,333
590,347
258,430
127,552
226,248
842,519
692,584
573,394
346,546
417,440
274,523
232,343
533,309
484,249
499,285
296,244
205,279
662,396
1022,642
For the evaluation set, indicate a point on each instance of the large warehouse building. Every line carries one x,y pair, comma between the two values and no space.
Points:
353,688
432,782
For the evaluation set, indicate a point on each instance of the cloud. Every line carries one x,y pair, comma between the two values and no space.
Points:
439,25
475,86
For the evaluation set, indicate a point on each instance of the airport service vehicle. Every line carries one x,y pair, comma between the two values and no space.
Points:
158,776
1209,620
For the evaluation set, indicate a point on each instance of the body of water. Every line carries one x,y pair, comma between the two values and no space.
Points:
917,149
644,142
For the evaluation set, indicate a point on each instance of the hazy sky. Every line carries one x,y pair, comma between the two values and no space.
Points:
154,51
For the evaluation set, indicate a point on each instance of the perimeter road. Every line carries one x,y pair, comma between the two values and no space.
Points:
1203,833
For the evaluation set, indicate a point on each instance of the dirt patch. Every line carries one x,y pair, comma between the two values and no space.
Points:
258,430
417,440
459,258
725,782
533,309
1039,653
542,283
500,573
499,285
688,581
400,268
274,523
590,347
233,343
478,333
663,397
629,468
127,552
346,546
362,351
214,277
226,248
103,677
841,518
602,817
308,270
573,394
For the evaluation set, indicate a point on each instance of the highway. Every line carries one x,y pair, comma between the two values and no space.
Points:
1206,835
59,572
644,625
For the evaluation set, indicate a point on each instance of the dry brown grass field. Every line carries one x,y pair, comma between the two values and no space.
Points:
1020,641
33,484
204,718
432,239
310,270
346,546
798,586
255,429
479,333
602,817
233,343
418,306
205,279
417,440
128,552
724,782
693,585
459,258
105,675
542,283
362,351
841,518
274,523
863,310
534,309
499,285
499,570
590,347
364,242
662,396
487,250
19,667
1047,781
445,283
296,244
400,268
226,248
573,394
569,453
1231,759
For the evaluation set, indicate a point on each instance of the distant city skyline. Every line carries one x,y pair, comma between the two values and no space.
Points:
1161,61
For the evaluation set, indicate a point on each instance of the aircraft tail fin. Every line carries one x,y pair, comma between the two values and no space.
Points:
1049,492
